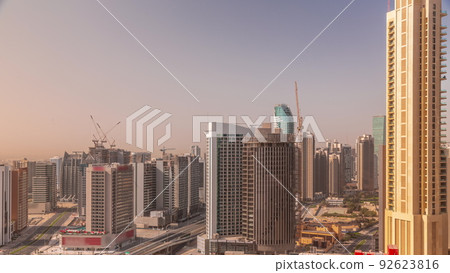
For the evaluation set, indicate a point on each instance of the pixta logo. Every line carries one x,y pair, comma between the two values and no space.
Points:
143,118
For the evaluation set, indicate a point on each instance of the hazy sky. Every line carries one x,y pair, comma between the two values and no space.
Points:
61,61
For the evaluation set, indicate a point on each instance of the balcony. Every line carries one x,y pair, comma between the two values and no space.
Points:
443,13
443,52
443,33
444,27
443,71
443,91
443,78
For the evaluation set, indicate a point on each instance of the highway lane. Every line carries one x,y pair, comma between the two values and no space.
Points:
364,242
43,234
170,238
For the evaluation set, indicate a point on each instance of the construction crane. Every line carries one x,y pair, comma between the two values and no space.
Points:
299,118
98,141
164,149
105,138
101,136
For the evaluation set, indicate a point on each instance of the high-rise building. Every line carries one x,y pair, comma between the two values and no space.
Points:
5,205
321,171
378,132
58,162
109,192
416,182
19,198
379,139
365,163
44,188
447,156
268,183
181,185
307,171
31,165
165,173
71,170
334,174
347,164
224,181
194,184
381,196
283,119
145,188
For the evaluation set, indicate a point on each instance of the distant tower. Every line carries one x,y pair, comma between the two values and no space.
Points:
283,119
365,163
308,150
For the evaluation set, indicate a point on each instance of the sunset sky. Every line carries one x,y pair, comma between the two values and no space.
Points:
64,60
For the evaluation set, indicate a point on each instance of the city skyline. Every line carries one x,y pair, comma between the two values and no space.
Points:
33,77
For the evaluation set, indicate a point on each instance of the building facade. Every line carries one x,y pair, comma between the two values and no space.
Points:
5,205
283,119
44,192
224,182
268,187
19,198
307,170
416,180
365,163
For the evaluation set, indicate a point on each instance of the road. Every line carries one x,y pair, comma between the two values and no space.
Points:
42,234
365,241
169,239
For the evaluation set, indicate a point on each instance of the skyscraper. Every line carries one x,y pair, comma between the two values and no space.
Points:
283,119
378,132
5,205
321,171
224,181
307,172
365,163
58,162
268,182
71,170
109,192
379,139
416,181
145,187
19,198
334,174
44,188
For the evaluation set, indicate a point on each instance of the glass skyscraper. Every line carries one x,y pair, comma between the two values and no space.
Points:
379,132
284,119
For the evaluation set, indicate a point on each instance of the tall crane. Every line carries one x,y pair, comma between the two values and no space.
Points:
105,137
98,141
299,118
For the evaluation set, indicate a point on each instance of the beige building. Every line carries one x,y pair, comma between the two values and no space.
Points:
416,183
307,182
109,198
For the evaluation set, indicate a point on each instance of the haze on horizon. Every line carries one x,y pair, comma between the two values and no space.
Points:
63,61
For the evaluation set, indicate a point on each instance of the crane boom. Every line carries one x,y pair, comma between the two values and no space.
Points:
299,118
